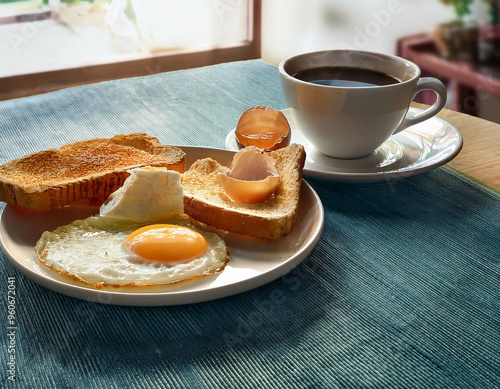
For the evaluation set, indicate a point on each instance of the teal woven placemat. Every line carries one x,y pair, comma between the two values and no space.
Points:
402,289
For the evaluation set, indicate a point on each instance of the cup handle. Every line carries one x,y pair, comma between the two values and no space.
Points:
426,83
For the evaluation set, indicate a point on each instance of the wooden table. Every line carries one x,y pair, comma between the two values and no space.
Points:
480,155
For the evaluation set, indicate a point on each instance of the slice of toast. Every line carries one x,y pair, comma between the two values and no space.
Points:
206,201
82,173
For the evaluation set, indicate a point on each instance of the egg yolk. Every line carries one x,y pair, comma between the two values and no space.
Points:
166,243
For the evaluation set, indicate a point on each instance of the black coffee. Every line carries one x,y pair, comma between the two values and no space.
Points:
345,77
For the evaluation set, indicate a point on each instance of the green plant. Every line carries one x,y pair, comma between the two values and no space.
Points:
493,10
461,7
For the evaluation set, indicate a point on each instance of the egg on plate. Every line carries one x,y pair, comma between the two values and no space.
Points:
140,238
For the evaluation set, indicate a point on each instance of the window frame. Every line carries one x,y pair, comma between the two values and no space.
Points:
47,81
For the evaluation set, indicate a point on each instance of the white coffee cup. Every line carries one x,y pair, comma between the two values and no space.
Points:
352,122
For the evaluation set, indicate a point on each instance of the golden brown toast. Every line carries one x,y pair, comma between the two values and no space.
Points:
206,201
82,173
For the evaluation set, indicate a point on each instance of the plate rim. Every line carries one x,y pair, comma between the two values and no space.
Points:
382,176
188,296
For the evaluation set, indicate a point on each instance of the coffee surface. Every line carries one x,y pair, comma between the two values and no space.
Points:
345,77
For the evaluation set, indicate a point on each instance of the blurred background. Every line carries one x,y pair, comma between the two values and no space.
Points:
51,44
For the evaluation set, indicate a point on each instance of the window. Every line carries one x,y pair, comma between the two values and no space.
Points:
51,44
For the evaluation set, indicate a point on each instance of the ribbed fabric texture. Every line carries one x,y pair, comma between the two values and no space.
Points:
401,291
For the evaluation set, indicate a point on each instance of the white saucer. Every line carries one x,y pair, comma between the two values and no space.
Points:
253,263
416,150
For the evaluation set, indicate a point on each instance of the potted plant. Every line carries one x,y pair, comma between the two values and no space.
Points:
490,36
458,38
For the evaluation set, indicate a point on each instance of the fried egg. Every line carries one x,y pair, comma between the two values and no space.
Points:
138,239
103,251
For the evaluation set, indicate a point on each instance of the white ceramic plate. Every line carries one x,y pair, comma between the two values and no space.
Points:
416,150
253,263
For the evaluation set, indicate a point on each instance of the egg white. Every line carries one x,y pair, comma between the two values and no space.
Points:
93,251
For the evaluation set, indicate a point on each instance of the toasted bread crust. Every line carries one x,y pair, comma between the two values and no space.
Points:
239,223
205,200
82,173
